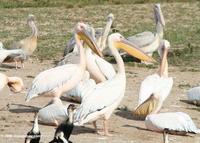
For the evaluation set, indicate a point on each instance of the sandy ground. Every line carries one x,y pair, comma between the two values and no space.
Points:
16,115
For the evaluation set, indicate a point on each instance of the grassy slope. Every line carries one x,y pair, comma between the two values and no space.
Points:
56,23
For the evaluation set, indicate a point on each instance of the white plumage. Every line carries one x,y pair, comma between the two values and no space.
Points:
101,100
194,94
54,114
174,121
155,84
48,80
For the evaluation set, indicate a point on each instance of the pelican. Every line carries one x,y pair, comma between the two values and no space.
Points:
149,41
193,95
107,95
101,35
53,113
58,80
20,51
171,122
155,88
99,69
14,83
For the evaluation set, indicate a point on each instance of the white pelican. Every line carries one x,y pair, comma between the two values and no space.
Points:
54,113
99,69
61,79
193,95
156,87
149,41
107,95
20,51
174,122
14,83
33,136
65,129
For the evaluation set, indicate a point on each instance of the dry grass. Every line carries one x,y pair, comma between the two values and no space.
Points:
56,23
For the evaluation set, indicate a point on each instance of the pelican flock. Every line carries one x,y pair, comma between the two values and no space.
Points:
86,77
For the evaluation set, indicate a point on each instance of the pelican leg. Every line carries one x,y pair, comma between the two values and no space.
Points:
16,67
106,132
22,63
165,136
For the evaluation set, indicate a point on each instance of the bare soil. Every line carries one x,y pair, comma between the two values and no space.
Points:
16,115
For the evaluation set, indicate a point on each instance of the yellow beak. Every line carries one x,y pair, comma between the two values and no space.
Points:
89,40
133,50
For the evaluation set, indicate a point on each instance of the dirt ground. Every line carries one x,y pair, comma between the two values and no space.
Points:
16,115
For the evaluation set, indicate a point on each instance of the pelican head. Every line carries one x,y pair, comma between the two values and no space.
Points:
110,17
83,34
120,42
164,47
158,14
31,17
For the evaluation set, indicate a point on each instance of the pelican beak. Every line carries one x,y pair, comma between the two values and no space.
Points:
133,50
90,41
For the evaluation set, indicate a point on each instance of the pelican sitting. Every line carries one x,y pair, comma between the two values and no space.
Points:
54,113
173,122
193,95
21,50
61,79
107,95
155,88
149,41
14,83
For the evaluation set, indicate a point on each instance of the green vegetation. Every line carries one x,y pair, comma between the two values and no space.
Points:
56,23
72,3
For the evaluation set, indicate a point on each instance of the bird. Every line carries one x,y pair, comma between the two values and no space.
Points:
15,84
193,95
150,41
155,88
33,136
99,69
58,80
54,113
21,50
107,95
101,35
171,122
65,129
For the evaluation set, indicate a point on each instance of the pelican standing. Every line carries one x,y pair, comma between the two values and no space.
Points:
14,83
156,87
58,80
149,41
20,51
107,95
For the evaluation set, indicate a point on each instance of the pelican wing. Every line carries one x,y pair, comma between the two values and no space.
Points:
142,39
50,79
105,67
154,84
103,95
4,54
70,58
175,121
